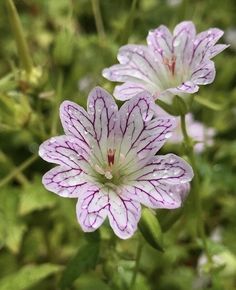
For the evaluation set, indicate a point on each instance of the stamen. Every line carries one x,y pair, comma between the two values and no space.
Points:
99,169
122,158
111,156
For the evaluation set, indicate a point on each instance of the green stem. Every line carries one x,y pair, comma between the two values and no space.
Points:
137,263
195,186
55,116
98,20
129,23
22,47
20,177
18,170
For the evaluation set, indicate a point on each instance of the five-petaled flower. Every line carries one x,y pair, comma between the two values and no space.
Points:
169,65
107,160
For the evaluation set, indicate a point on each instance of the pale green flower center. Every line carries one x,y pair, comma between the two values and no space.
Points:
109,172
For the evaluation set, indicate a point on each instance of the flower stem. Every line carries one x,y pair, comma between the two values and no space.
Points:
195,187
137,263
21,178
22,47
125,33
98,20
55,116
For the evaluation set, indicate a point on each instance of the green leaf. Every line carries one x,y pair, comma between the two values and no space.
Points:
151,230
35,197
28,276
11,224
85,259
208,104
141,283
14,236
88,282
93,237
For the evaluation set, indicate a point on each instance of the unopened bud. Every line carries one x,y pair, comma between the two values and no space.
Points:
151,230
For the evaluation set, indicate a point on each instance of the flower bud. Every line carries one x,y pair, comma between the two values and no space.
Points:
151,230
63,49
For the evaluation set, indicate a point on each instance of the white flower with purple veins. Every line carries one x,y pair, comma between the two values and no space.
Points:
202,135
169,65
107,160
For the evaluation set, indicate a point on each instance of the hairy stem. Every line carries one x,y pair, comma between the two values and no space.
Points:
55,116
125,33
20,177
137,263
98,20
22,47
18,170
195,186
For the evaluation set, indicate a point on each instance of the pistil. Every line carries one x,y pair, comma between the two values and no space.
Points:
111,156
170,63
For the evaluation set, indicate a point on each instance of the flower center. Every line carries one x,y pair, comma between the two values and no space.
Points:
111,167
107,172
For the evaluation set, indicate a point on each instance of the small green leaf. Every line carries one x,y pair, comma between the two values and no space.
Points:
90,282
14,236
28,276
208,104
35,197
85,259
63,48
151,230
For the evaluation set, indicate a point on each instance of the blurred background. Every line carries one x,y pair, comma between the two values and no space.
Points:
70,42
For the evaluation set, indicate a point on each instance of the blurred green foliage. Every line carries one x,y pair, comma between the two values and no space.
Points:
70,42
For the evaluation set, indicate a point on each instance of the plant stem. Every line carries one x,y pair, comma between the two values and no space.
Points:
137,263
195,186
22,47
98,20
18,170
20,176
55,116
125,33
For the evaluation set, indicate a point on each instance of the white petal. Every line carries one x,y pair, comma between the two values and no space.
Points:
97,204
205,74
67,151
92,208
124,214
65,182
160,41
128,90
141,135
155,182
